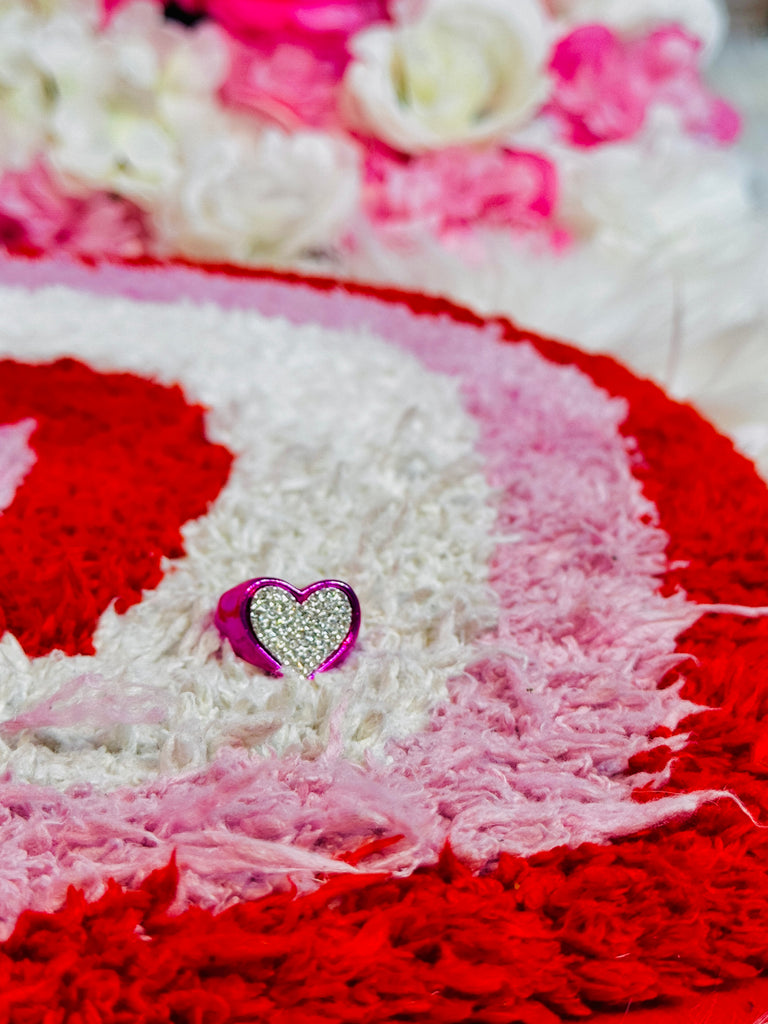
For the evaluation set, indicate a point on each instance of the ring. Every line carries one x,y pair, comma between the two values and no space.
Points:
273,625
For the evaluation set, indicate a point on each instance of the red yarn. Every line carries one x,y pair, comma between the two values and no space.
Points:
532,943
122,464
658,919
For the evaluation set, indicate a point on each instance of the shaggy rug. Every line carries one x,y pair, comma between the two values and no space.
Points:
535,790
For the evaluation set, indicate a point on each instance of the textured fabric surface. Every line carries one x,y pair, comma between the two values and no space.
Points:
570,715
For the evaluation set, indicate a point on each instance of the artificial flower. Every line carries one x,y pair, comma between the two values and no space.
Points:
286,84
707,20
598,95
656,198
455,191
36,216
252,19
120,113
671,61
189,129
25,98
248,197
604,86
460,72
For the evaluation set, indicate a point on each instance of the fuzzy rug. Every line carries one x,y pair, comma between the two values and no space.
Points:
535,791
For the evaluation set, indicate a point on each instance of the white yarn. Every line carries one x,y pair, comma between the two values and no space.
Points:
368,474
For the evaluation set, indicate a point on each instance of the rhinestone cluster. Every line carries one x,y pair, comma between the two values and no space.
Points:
300,635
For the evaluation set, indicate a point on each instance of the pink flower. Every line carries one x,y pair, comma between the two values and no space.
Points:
450,191
35,216
254,19
671,60
604,86
598,96
287,84
248,18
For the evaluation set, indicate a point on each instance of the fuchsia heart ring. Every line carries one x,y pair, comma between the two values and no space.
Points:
274,626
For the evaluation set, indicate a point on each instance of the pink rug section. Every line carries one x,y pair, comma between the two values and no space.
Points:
531,748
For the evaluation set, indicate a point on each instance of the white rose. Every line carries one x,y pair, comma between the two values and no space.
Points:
124,97
24,93
463,70
31,32
127,153
247,198
43,45
705,19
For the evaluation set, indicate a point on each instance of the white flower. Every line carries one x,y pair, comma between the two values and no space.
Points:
246,198
24,92
463,70
124,98
132,108
705,19
39,39
660,194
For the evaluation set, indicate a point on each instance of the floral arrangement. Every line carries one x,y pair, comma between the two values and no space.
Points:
269,131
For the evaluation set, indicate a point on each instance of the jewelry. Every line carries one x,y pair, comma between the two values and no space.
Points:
273,625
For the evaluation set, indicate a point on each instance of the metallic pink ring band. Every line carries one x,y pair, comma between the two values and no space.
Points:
271,624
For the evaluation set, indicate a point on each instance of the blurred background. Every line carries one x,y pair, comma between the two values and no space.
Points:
741,73
575,165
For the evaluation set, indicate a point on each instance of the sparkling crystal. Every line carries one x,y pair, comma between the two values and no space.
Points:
300,635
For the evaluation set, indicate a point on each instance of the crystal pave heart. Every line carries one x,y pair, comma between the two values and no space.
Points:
273,625
303,634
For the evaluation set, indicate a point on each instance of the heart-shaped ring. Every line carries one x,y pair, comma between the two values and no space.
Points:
273,625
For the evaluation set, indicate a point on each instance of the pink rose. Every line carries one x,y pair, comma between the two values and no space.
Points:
35,216
599,95
451,191
253,19
670,57
604,86
249,18
286,84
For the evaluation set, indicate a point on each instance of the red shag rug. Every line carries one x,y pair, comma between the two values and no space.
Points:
536,791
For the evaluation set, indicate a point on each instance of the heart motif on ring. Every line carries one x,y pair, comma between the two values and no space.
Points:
305,631
274,625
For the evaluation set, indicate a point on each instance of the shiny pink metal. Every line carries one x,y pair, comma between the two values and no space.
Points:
233,621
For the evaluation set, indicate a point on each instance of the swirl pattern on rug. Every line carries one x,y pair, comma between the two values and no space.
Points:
541,736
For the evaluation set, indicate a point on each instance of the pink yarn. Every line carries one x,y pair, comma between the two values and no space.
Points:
531,747
90,700
16,458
